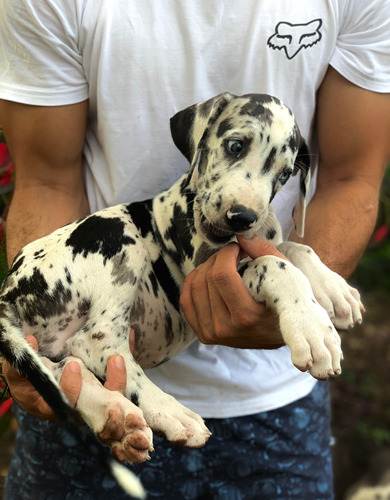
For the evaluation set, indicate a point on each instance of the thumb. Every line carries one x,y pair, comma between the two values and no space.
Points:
257,247
71,381
32,341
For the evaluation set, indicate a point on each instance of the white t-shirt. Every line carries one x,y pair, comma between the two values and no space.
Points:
138,62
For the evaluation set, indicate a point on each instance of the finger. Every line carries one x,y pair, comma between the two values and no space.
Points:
10,373
116,374
33,342
258,247
71,382
132,340
195,300
201,298
24,394
227,282
220,312
187,303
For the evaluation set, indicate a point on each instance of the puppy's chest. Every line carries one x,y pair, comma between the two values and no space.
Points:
160,329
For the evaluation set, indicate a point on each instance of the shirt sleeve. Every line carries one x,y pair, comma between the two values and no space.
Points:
362,53
40,61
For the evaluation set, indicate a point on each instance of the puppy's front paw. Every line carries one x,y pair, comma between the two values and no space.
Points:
314,342
341,301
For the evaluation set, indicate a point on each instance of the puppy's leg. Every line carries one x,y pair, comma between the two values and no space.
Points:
304,323
168,417
341,301
115,421
100,340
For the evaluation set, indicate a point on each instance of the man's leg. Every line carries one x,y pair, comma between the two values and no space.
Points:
280,454
49,463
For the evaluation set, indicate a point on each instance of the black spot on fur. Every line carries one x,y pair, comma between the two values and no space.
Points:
134,398
242,269
98,336
273,188
83,308
224,126
37,300
169,333
256,108
270,234
154,283
282,265
293,143
166,281
260,282
68,276
40,254
269,161
16,264
141,215
99,235
180,230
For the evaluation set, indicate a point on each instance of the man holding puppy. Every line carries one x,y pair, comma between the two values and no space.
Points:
87,91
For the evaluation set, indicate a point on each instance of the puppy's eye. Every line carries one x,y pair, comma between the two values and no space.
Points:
284,177
234,147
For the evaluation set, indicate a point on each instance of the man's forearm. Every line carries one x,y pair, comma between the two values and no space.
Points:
339,222
36,211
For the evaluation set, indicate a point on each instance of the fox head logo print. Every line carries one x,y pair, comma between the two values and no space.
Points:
294,37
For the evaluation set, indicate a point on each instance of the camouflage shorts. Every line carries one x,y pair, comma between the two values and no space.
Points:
280,454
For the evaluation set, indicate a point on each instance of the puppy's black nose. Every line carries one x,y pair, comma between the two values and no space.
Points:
240,218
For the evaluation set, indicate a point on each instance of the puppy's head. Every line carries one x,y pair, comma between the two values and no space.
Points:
242,150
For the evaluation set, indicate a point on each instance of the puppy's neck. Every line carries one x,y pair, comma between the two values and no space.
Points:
174,219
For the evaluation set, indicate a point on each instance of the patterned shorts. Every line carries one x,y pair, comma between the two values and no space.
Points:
280,454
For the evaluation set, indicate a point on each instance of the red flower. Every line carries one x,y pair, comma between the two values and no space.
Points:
6,175
5,407
380,234
5,158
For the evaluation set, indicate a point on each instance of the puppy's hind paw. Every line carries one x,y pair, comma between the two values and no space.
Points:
129,437
176,422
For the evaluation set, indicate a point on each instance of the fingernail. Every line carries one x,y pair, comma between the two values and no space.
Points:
119,362
74,367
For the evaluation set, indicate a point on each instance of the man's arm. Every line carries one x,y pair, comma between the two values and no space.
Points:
46,145
353,129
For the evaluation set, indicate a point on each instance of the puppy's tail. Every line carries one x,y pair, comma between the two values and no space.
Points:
18,352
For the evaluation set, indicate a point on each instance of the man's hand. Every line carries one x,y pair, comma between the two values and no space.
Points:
25,395
218,306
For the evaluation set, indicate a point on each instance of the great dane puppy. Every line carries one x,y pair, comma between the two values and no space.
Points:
80,289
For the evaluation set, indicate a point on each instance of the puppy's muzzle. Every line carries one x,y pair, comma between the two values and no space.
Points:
239,218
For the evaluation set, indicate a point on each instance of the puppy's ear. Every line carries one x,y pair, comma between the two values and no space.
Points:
190,128
302,165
